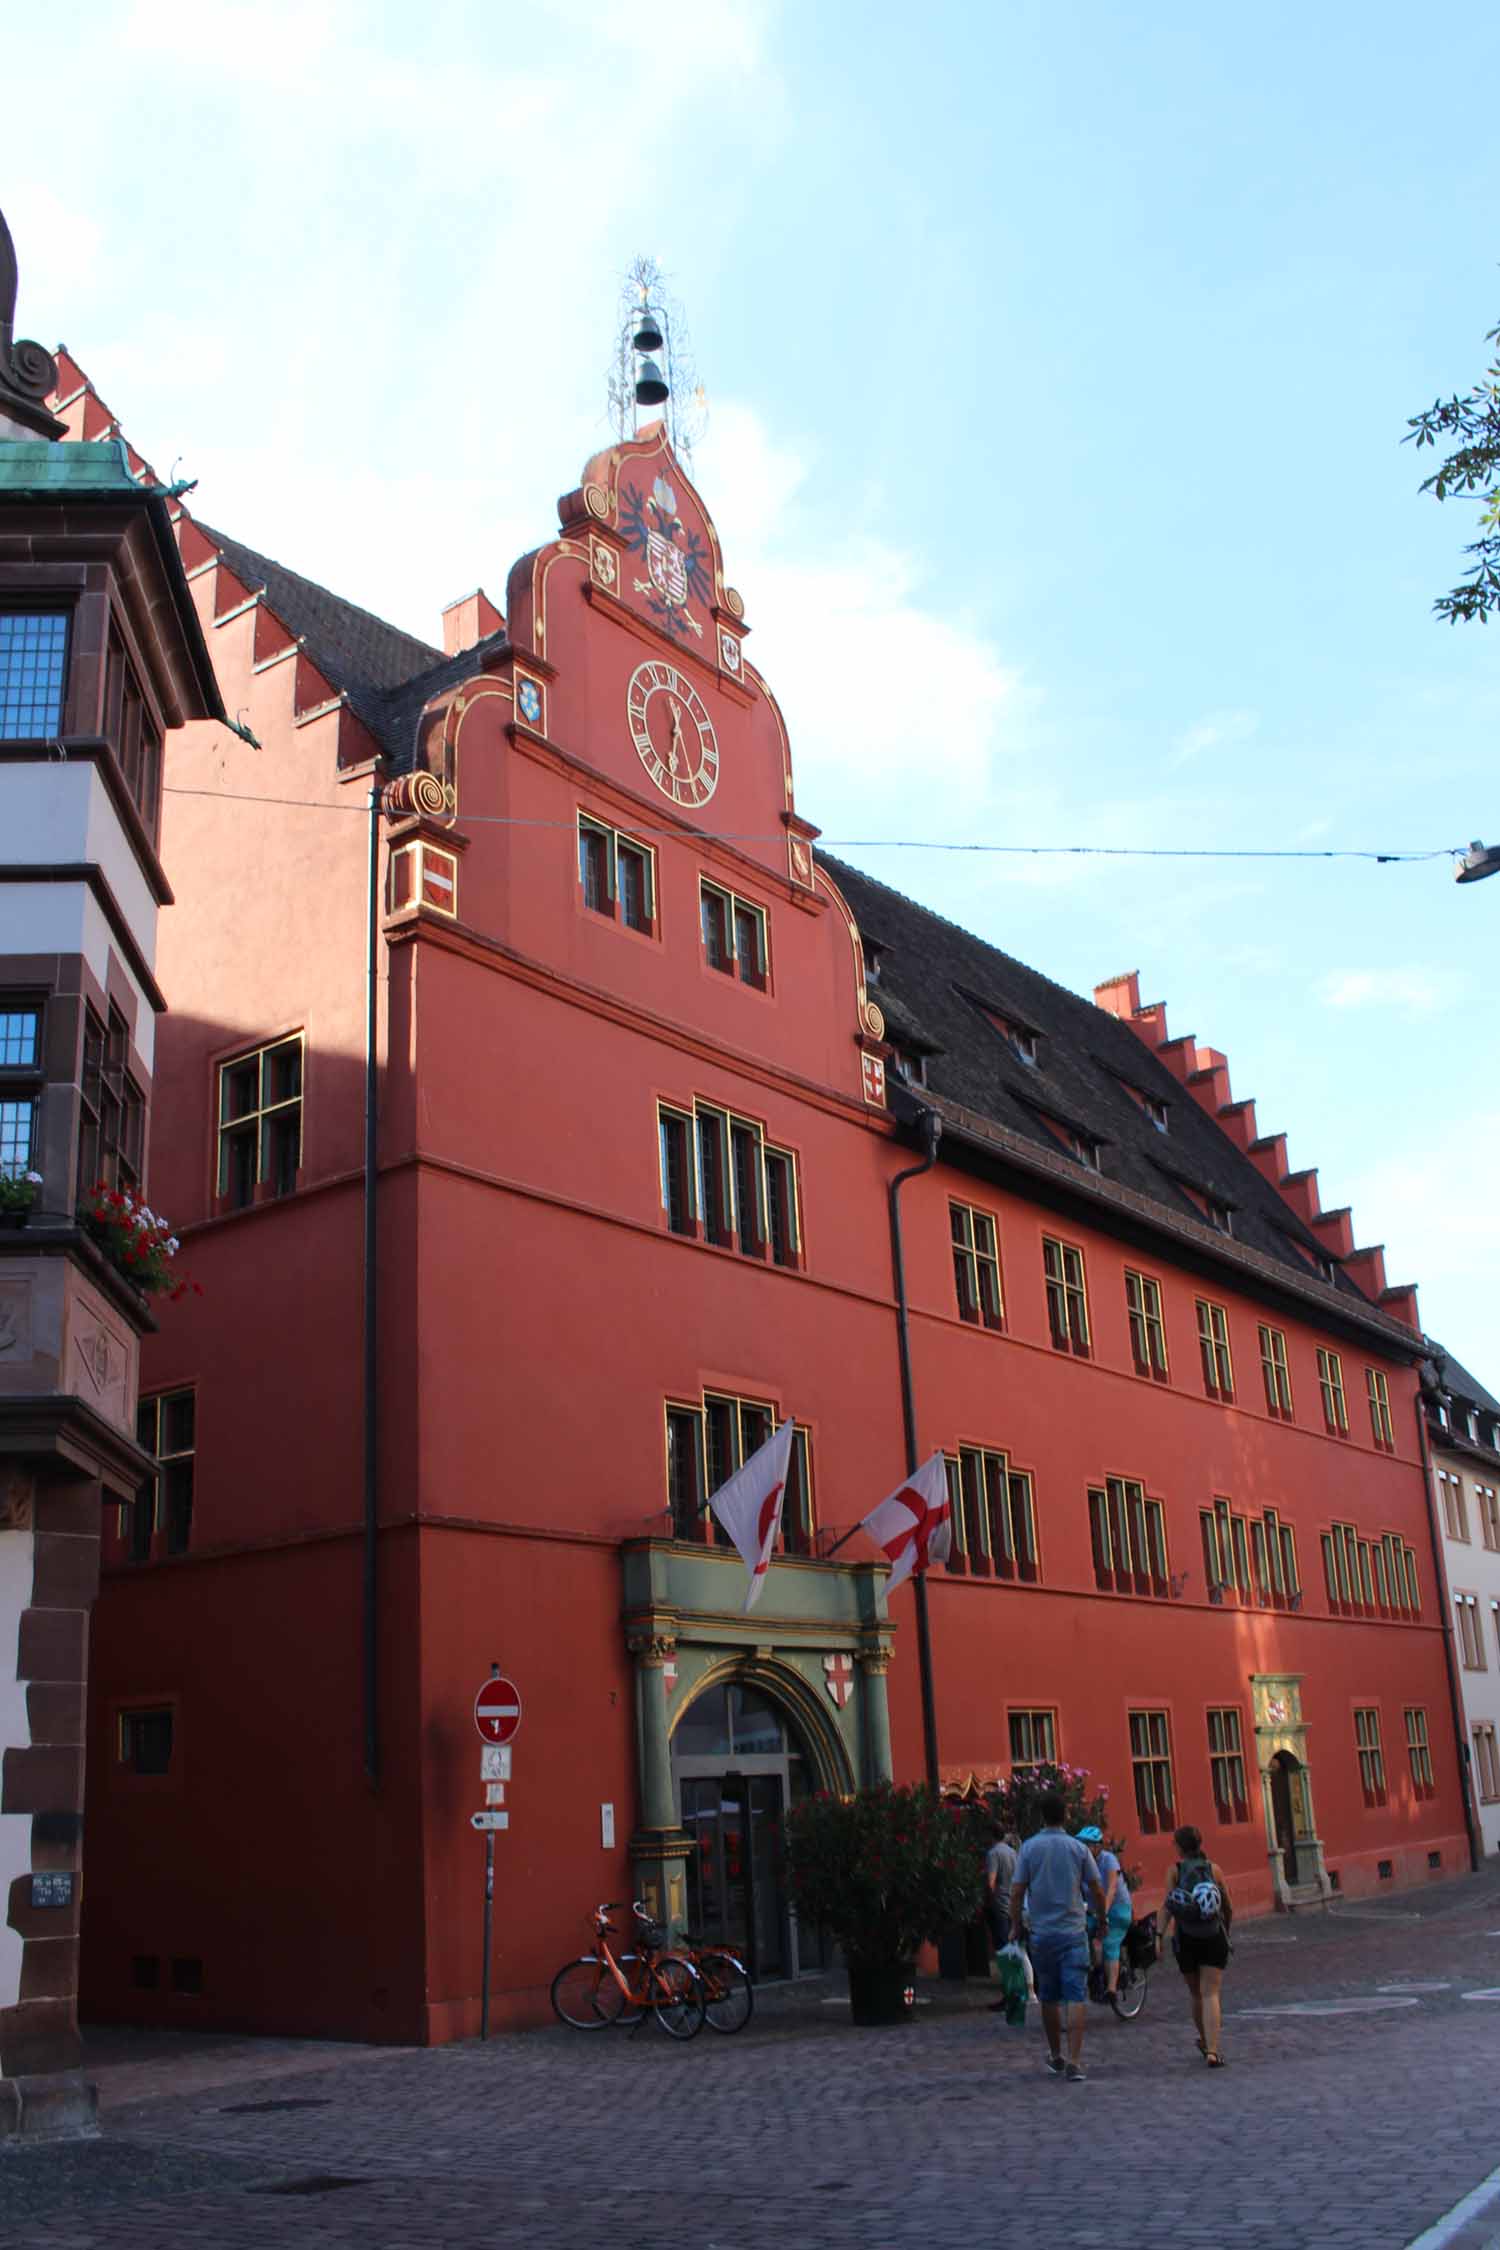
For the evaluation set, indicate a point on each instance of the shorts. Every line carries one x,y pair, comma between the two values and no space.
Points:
1116,1930
1062,1969
1194,1954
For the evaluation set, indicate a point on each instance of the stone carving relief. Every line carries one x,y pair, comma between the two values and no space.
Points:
15,1323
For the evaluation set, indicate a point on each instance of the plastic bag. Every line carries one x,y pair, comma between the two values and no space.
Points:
1017,1985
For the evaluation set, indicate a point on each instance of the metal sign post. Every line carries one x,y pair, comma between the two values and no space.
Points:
497,1715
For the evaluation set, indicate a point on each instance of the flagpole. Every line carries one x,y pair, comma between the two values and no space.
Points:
932,1132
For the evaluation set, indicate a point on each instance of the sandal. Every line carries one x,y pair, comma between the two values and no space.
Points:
1213,2058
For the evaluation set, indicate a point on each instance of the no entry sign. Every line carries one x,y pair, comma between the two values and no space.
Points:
497,1710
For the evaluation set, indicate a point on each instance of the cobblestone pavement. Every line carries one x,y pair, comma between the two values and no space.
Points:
1354,2121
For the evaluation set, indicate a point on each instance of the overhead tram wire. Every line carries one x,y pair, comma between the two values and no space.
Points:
889,843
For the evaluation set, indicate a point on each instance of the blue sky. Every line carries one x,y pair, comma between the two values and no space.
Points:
1058,359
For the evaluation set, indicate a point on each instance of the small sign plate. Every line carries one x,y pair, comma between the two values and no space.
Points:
494,1792
489,1820
494,1763
52,1890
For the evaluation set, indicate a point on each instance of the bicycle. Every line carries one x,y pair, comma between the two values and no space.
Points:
1137,1958
728,1994
604,1988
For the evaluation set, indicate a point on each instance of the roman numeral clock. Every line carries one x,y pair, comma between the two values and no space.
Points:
673,734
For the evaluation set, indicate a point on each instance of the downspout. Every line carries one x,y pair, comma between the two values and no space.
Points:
1455,1696
932,1133
371,1652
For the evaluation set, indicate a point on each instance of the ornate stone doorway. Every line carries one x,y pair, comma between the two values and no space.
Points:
1295,1851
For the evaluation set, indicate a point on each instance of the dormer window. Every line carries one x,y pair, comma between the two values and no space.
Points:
1023,1044
1156,1111
1085,1149
1221,1216
910,1065
872,953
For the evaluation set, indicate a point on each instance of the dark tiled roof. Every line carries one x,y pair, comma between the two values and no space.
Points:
359,653
401,707
1460,1384
944,978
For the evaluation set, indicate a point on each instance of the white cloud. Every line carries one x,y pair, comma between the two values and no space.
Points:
1220,730
1415,992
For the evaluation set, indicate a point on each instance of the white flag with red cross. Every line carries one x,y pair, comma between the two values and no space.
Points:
914,1525
749,1506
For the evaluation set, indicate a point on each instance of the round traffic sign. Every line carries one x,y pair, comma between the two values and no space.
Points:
497,1710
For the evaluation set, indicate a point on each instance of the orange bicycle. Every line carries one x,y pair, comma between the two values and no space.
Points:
605,1987
728,1994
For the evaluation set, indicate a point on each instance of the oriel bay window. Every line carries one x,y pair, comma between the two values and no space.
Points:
134,733
734,935
260,1122
1226,1763
976,1265
1371,1757
1213,1349
1129,1539
165,1427
707,1442
1380,1409
1331,1384
112,1108
1067,1299
721,1182
20,1087
1275,1373
993,1516
1151,1770
1148,1335
33,670
617,875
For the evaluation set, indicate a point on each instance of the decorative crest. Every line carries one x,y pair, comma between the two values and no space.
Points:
27,372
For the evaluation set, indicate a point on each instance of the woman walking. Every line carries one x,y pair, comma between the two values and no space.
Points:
1199,1909
1117,1906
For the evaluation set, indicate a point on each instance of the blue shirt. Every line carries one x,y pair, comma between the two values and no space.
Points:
1108,1864
1056,1871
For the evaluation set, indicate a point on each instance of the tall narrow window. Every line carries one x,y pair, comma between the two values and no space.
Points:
713,1176
634,886
685,1471
1151,1768
1148,1335
132,732
20,1087
1371,1757
798,1517
1275,1373
594,856
976,1265
749,1196
1226,1552
1213,1349
1380,1409
1067,1302
1128,1535
617,875
260,1122
165,1427
781,1206
112,1108
1226,1762
1331,1384
1455,1514
1487,1762
1470,1637
734,935
33,666
1489,1515
676,1136
1419,1752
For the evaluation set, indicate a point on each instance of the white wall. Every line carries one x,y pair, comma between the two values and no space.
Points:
16,1555
58,809
1474,1568
67,918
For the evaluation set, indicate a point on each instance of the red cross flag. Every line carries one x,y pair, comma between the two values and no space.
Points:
749,1506
914,1525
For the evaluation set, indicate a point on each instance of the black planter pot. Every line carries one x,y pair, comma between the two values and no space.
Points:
12,1221
881,1991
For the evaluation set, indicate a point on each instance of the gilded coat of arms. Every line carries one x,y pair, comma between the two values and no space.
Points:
676,559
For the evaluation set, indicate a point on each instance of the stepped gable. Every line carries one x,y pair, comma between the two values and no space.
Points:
1091,1066
1204,1073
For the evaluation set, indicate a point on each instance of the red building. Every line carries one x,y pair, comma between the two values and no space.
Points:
645,1069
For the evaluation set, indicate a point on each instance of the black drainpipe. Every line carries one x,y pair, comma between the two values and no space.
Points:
371,1305
932,1132
1445,1600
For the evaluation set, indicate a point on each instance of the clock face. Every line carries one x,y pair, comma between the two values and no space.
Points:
673,734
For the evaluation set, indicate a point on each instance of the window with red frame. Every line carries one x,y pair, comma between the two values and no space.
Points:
1067,1299
1226,1763
1378,1392
1371,1757
993,1516
1419,1752
1148,1333
1213,1349
1331,1385
1275,1373
976,1265
1129,1539
1151,1770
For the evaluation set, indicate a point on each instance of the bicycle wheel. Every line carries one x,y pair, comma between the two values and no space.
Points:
676,1996
728,1994
1129,1996
585,1995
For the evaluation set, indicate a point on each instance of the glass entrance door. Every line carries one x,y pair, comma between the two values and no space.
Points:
734,1875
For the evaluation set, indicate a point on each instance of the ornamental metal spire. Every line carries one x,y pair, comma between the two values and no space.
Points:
653,363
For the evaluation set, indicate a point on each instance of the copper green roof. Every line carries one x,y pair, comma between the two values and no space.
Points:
37,467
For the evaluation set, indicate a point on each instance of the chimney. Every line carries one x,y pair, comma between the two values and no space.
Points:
473,619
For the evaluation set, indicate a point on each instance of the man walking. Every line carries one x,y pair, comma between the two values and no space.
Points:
1055,1875
999,1874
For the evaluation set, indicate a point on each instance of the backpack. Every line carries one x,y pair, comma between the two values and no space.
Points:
1195,1901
